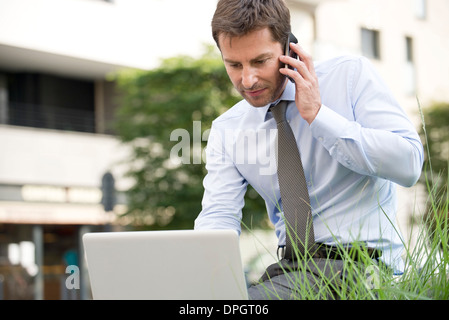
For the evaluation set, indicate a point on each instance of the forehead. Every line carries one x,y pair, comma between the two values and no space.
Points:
249,45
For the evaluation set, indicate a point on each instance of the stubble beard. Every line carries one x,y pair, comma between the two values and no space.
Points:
272,96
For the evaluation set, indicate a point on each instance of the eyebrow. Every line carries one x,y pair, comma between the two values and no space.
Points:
259,57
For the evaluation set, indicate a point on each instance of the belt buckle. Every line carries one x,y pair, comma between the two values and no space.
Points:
280,252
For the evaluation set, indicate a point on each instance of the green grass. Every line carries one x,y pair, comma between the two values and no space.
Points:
426,273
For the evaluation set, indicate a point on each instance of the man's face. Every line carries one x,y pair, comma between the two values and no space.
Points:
252,63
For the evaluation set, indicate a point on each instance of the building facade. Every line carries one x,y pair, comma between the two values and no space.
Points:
56,139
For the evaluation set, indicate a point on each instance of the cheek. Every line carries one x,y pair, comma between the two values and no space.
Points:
234,77
274,70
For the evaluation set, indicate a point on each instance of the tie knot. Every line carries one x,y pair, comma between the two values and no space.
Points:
279,111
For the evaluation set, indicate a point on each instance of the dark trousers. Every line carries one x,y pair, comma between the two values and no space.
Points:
313,278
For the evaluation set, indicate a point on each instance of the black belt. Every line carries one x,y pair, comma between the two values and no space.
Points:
354,252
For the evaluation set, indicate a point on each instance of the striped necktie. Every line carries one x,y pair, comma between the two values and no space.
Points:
294,193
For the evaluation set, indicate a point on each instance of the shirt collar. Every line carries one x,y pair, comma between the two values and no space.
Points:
288,94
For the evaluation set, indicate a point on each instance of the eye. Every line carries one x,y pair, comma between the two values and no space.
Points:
235,65
261,61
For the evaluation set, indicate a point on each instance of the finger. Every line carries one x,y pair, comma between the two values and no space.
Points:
294,75
304,56
300,66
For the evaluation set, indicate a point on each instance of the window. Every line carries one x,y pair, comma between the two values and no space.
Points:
420,8
409,49
370,43
410,77
52,102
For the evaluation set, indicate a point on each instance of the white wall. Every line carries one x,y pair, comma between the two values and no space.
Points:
47,157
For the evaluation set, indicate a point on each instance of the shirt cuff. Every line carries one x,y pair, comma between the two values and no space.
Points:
328,126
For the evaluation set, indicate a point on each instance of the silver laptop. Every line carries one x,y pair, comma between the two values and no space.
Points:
168,265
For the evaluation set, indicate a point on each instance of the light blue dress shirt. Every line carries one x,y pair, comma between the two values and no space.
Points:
360,145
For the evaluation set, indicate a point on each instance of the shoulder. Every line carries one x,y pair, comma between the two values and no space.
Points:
340,63
237,111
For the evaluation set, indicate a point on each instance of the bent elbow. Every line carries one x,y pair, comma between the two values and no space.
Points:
410,180
413,169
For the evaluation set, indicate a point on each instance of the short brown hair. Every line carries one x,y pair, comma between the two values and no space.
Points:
239,17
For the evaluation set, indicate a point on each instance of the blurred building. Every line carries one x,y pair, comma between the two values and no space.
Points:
57,106
56,140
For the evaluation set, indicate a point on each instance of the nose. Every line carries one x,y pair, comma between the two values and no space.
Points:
249,77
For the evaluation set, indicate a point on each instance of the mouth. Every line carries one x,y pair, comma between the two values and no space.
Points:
255,93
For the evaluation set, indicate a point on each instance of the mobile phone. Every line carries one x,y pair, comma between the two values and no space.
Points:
288,52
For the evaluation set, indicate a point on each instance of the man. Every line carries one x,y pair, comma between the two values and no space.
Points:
355,141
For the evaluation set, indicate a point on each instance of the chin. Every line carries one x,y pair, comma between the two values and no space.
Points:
257,103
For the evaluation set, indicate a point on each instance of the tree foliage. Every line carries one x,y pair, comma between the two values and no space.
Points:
436,123
158,109
435,134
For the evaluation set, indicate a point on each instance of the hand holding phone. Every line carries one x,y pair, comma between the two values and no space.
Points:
307,97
